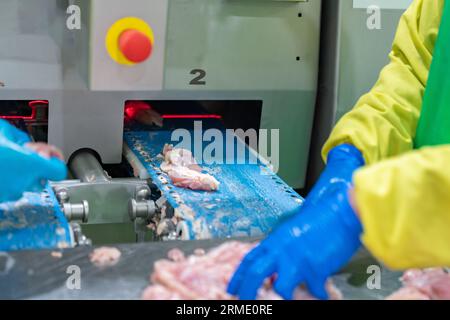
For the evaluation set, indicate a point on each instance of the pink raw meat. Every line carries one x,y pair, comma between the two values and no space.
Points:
159,292
427,284
184,171
187,178
175,157
205,277
176,255
408,293
105,256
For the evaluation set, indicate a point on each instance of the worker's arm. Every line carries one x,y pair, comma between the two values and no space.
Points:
383,122
22,169
314,242
25,166
404,205
11,133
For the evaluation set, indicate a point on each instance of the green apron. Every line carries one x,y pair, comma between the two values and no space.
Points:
434,123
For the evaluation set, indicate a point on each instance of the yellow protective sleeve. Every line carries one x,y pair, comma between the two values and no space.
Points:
404,205
404,202
384,121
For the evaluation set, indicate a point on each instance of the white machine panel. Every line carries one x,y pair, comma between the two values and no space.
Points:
105,73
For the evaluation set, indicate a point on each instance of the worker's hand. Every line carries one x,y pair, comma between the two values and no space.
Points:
314,243
342,162
306,249
45,150
23,169
11,133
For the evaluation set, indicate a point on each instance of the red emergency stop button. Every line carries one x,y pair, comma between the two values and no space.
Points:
130,41
135,45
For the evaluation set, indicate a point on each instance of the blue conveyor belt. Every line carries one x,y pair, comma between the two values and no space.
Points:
34,222
250,201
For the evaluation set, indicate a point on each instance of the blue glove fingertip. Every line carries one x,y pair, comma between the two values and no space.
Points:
13,134
239,275
285,286
317,288
289,276
233,285
48,169
59,170
255,276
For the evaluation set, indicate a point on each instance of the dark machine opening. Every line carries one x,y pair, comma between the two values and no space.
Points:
231,114
155,115
30,116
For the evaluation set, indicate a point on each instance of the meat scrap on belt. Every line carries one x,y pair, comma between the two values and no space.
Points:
105,256
184,171
205,276
427,284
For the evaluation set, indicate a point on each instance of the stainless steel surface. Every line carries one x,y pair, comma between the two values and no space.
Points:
39,275
144,209
108,200
80,238
140,229
248,50
105,74
85,166
62,195
76,211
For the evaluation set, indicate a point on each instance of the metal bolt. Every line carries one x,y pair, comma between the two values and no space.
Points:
76,211
142,193
62,195
144,209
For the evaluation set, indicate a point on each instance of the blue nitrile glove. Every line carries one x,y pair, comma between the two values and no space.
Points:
314,243
22,169
11,133
342,162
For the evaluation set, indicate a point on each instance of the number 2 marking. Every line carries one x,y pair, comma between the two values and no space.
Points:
200,75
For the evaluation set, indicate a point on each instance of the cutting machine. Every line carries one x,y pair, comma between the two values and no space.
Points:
69,67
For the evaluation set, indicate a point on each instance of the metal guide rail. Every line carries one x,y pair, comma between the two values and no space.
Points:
251,199
34,222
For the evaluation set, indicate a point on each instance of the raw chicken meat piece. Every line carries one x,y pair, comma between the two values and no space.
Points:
56,254
176,255
187,178
199,252
159,292
184,171
427,284
205,276
105,256
175,157
408,293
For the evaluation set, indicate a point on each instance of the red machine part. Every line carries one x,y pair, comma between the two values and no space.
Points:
135,45
32,104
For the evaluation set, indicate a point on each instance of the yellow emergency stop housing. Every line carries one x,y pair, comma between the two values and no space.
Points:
114,32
